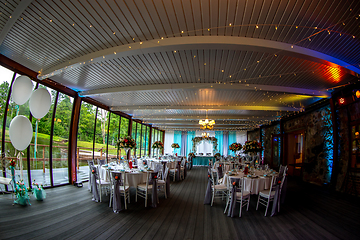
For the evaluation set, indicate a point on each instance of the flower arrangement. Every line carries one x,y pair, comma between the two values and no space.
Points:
38,191
191,154
197,140
235,147
175,145
20,189
158,145
12,162
252,147
21,193
37,186
126,142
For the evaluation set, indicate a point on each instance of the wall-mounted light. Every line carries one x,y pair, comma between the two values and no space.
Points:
341,101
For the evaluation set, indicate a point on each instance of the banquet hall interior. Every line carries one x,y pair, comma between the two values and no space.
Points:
180,119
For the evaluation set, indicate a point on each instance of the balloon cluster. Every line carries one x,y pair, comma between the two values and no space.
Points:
21,130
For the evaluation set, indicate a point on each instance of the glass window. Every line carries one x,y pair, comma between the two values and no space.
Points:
124,128
143,140
147,140
62,122
113,136
101,134
85,138
355,149
153,140
9,149
5,82
133,135
138,139
40,163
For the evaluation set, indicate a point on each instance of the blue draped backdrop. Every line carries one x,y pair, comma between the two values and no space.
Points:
190,136
232,139
177,139
219,136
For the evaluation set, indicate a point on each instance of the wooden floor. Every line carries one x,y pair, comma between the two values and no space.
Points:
69,213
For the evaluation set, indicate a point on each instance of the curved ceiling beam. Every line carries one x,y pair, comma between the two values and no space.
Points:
247,118
198,42
199,107
14,16
197,86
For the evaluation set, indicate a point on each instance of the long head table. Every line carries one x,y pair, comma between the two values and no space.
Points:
202,160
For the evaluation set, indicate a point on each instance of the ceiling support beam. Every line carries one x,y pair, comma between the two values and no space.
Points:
151,118
14,17
198,42
206,107
228,127
205,86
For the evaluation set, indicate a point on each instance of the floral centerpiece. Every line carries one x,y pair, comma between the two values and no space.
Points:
38,191
126,143
175,145
158,145
252,147
235,147
12,162
21,193
192,155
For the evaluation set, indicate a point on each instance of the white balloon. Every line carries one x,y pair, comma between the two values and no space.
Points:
21,90
40,103
20,132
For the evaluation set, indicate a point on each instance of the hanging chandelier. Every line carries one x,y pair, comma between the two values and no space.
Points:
205,134
206,123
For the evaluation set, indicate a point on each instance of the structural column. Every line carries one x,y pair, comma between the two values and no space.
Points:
73,139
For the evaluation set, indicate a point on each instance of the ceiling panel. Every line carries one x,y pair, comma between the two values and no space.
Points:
51,33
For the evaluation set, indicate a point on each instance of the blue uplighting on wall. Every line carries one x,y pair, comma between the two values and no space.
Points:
328,140
262,132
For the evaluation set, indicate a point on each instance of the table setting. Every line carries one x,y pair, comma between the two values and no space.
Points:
256,179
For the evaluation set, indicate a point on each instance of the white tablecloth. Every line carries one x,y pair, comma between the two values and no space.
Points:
152,163
252,184
133,177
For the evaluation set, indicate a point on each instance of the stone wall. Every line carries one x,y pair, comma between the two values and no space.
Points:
254,135
267,133
352,110
318,144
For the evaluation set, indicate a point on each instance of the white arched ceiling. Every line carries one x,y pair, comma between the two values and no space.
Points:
198,42
255,60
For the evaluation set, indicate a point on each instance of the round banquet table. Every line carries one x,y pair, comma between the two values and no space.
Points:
133,177
154,163
254,184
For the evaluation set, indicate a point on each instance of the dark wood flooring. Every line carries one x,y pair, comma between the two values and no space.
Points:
69,213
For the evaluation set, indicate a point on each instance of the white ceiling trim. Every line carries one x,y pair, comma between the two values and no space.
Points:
206,107
14,17
197,42
149,119
197,86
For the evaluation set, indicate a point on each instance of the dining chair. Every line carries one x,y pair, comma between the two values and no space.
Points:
218,190
119,183
238,193
267,196
145,189
173,170
91,164
182,168
161,183
102,184
101,162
